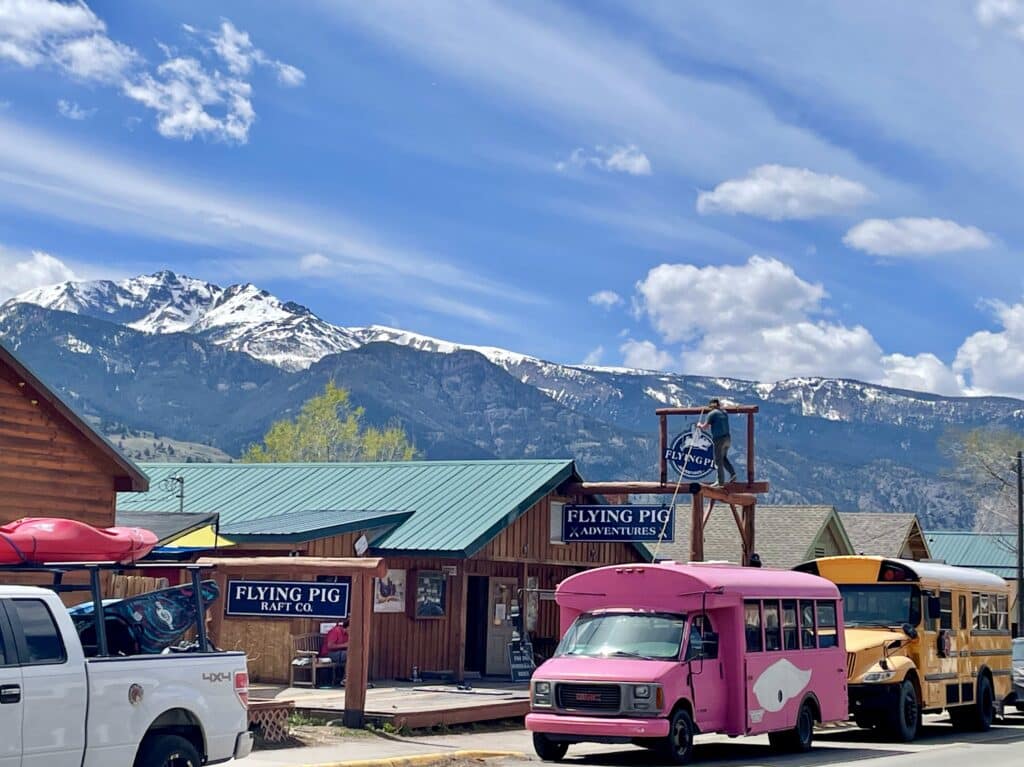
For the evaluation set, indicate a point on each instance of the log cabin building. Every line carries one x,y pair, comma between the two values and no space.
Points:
466,543
53,463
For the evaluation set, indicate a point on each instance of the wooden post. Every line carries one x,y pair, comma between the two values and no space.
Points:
662,460
218,609
357,665
697,529
457,650
748,532
750,448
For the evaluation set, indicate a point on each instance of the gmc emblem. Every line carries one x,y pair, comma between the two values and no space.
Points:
588,697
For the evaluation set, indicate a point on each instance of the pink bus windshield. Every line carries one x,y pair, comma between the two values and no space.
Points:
648,636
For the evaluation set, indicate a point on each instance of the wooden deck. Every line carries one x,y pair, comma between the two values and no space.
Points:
410,705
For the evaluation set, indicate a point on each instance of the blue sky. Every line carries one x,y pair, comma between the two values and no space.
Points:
743,189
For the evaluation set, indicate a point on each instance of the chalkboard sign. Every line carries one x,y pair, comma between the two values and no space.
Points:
520,661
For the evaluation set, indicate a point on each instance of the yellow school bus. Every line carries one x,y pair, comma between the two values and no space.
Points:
922,637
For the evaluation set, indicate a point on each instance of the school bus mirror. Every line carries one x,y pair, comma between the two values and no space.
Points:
909,630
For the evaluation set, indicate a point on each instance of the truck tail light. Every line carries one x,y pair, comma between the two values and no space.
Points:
242,687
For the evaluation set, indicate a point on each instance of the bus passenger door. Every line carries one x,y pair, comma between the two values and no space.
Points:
706,675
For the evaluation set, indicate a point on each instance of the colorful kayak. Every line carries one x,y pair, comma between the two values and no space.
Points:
147,623
43,539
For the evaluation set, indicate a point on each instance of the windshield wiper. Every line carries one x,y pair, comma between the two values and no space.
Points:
872,624
628,654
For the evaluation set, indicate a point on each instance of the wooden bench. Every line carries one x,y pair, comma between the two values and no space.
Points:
306,657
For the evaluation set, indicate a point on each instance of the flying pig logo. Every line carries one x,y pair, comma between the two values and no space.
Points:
779,684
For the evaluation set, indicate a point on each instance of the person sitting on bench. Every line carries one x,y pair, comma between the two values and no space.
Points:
335,647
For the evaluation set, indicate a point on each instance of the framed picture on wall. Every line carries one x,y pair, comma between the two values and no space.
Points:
389,592
430,596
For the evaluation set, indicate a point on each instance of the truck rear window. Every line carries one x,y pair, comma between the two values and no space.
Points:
42,639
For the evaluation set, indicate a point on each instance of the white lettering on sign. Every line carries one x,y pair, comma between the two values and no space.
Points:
624,516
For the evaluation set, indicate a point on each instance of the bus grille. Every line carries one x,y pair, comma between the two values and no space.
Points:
851,664
589,697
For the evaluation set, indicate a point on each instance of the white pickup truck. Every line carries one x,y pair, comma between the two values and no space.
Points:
59,708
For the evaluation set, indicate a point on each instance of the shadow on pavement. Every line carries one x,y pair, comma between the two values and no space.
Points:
739,753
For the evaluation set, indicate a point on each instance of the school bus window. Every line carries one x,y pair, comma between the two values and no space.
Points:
827,633
962,605
976,611
808,635
790,639
1002,619
983,611
752,621
772,627
945,609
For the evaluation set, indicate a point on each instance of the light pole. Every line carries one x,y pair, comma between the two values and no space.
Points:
1020,544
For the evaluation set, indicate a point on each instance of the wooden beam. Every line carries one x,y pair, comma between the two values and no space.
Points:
293,566
748,532
357,664
697,529
699,410
663,441
750,448
660,488
458,648
218,609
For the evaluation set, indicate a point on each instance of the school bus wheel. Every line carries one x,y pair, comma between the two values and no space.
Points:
905,718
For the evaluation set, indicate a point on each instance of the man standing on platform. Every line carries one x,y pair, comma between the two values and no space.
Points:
718,423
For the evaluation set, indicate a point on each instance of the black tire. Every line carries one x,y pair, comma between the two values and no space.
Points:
800,739
678,746
549,750
865,721
980,715
167,751
904,722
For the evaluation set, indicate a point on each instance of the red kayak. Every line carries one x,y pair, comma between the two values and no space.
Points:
44,539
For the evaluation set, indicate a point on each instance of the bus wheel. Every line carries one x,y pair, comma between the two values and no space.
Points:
678,746
905,720
549,750
980,715
800,738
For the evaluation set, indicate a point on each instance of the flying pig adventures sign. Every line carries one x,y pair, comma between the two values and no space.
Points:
288,599
604,524
693,454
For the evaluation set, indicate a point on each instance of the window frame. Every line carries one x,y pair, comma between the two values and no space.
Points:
777,631
814,622
945,610
748,603
794,627
21,640
827,603
962,605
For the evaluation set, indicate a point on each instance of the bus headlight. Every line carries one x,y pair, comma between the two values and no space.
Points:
642,691
646,697
874,677
542,694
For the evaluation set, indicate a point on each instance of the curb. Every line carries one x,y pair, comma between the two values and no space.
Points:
420,760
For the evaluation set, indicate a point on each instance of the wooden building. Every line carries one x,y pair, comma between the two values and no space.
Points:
466,544
52,463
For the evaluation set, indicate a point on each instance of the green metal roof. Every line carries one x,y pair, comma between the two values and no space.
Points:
301,526
994,552
457,506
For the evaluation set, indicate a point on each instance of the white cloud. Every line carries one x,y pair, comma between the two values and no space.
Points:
777,192
35,271
612,159
914,236
993,362
1007,14
72,111
921,372
314,262
239,54
594,356
289,76
644,355
606,299
96,57
30,30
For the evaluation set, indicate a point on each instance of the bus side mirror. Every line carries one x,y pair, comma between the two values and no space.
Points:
909,630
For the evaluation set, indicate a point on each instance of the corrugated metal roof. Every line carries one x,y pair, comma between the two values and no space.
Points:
458,506
314,520
995,552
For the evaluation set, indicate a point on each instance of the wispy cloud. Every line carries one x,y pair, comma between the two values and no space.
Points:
611,159
72,111
776,192
594,356
914,237
606,299
24,272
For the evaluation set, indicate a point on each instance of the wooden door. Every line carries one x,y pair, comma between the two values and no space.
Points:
499,624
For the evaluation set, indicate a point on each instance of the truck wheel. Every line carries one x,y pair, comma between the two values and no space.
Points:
978,716
167,751
678,748
905,721
549,750
800,738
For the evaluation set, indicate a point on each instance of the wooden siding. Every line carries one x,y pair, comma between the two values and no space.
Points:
47,468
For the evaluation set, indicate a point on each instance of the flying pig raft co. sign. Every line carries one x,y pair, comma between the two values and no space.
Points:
289,599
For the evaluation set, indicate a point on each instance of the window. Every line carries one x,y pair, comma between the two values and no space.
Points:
1002,620
41,636
790,636
3,654
976,604
702,639
648,636
881,604
828,636
772,627
945,609
962,605
984,613
752,620
808,634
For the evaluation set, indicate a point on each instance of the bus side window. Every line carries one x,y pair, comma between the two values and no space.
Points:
962,604
790,635
808,635
984,611
772,627
828,636
945,610
752,621
1003,619
976,605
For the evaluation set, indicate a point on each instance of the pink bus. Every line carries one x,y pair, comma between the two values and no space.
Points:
655,654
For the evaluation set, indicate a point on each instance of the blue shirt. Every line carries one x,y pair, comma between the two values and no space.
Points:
719,423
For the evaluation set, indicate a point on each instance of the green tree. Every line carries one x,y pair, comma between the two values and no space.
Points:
984,460
329,428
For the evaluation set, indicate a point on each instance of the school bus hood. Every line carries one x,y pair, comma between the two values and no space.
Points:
611,669
859,640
